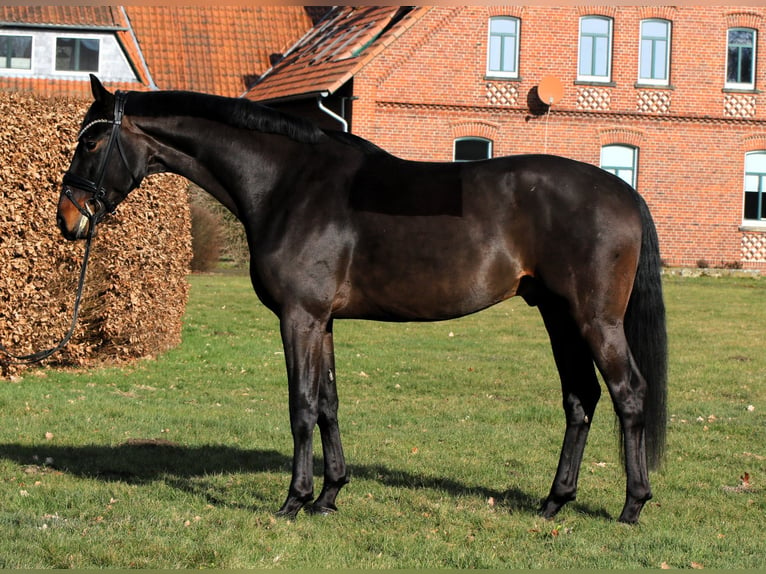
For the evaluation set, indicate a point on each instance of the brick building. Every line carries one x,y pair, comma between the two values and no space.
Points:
667,97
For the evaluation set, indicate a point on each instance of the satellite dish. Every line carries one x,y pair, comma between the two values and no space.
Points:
550,90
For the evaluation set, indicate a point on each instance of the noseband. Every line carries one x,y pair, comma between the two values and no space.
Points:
96,188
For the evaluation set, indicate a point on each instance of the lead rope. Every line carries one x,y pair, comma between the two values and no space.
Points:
42,355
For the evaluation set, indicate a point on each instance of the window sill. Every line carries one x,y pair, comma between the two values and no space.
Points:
595,83
61,74
759,226
740,91
496,78
649,86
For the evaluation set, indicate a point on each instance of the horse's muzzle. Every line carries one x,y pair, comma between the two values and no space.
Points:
78,231
75,216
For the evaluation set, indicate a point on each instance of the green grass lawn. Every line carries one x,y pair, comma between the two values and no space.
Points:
451,431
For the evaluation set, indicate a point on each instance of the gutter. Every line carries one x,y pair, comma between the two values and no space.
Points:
290,98
73,27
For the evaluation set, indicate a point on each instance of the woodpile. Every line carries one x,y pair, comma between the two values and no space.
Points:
136,290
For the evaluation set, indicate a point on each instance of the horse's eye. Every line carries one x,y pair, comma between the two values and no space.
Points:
90,145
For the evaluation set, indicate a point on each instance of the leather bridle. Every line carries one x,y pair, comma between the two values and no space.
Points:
99,194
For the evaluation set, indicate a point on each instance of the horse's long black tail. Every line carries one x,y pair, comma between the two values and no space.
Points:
647,337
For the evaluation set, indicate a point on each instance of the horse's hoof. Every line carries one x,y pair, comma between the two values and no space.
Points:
630,515
632,509
551,506
290,509
548,510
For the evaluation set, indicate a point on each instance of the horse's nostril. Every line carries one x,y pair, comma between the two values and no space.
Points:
61,222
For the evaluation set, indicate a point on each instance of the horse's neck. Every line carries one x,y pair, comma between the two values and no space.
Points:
189,148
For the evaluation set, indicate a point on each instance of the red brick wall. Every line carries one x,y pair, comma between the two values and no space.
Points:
430,87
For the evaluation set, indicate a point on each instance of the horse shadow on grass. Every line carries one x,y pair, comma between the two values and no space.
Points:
143,462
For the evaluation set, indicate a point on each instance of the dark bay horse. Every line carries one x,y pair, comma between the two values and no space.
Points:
338,228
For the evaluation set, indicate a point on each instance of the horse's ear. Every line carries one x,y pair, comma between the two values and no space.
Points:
100,93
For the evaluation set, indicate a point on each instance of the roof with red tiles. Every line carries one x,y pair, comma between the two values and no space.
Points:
217,49
341,44
108,17
214,49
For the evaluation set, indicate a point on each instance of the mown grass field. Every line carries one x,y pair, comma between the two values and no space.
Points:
451,431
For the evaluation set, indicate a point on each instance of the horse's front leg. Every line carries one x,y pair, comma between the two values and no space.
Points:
335,475
302,338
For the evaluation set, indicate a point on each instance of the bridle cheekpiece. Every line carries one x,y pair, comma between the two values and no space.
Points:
96,188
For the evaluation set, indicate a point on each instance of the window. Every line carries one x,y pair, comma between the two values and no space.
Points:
472,149
16,52
503,51
654,53
755,186
595,49
740,58
77,54
622,161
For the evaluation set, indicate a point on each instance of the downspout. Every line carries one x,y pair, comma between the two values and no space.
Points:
331,113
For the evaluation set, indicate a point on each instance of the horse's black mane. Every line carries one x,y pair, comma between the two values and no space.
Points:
355,141
236,112
240,113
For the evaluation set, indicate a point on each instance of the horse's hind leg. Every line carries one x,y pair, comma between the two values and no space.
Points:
335,476
581,391
628,390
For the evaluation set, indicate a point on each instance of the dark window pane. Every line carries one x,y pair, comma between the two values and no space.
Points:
16,52
751,206
731,65
746,65
739,56
740,37
88,56
471,149
65,54
77,55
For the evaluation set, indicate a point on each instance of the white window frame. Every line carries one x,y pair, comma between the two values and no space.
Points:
98,38
24,71
668,39
760,222
504,73
619,170
471,138
741,85
606,79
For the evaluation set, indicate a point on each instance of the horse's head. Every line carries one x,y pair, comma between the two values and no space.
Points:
106,166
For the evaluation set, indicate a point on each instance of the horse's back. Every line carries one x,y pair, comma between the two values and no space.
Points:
435,241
